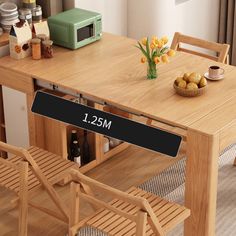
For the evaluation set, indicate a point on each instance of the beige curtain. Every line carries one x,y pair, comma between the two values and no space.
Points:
227,26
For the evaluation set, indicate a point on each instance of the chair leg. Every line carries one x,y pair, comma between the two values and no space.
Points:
141,223
74,208
23,197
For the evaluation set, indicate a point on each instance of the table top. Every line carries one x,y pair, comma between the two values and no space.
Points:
110,70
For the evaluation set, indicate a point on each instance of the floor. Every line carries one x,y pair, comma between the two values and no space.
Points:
131,167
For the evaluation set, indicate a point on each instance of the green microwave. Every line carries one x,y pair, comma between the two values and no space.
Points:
75,28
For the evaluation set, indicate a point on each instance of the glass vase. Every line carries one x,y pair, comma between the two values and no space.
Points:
151,70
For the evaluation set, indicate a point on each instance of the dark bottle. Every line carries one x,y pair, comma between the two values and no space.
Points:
74,137
86,152
75,153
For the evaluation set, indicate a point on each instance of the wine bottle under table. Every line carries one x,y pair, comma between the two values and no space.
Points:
75,153
73,137
86,151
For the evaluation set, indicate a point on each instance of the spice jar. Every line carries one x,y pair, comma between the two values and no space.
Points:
42,38
25,14
36,48
47,48
37,14
30,4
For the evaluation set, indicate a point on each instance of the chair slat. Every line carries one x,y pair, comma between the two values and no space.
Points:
222,50
49,163
169,214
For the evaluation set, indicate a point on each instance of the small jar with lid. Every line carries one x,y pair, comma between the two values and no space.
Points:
25,14
42,37
47,48
37,14
36,48
29,4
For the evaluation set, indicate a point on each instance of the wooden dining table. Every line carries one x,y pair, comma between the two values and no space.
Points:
109,71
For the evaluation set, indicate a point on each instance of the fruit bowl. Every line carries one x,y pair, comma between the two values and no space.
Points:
190,85
189,93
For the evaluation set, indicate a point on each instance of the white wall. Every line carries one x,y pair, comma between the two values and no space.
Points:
114,13
150,17
198,18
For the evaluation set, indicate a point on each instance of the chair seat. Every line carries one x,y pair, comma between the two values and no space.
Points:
50,164
169,215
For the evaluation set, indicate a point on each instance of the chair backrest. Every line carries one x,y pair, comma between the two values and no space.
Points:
28,161
221,49
84,190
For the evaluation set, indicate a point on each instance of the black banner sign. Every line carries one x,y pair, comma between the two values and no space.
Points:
105,123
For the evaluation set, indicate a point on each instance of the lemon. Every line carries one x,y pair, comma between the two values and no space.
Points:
182,84
186,75
203,82
194,78
191,86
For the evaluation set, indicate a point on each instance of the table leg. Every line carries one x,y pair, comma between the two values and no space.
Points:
201,183
36,125
2,123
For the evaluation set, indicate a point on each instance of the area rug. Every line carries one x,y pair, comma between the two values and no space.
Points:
170,185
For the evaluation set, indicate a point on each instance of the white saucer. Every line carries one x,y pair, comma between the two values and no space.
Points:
206,75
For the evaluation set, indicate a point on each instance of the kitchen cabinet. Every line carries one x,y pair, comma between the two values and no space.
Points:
14,126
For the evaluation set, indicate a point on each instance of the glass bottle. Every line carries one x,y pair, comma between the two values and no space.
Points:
86,151
73,137
75,153
36,48
47,48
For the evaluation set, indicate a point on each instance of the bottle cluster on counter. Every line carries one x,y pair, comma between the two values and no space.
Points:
24,41
81,157
26,30
41,47
28,11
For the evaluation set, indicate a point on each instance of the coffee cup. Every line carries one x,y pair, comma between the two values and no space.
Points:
215,72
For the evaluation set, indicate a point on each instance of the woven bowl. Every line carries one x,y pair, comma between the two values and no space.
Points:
189,93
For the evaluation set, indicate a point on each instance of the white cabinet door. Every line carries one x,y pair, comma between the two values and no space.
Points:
16,120
15,111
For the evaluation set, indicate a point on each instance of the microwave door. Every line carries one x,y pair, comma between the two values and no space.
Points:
85,32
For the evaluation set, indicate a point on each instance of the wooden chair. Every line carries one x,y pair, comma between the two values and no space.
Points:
29,171
221,49
135,212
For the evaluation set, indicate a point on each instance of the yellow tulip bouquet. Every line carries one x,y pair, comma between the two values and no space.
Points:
154,53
